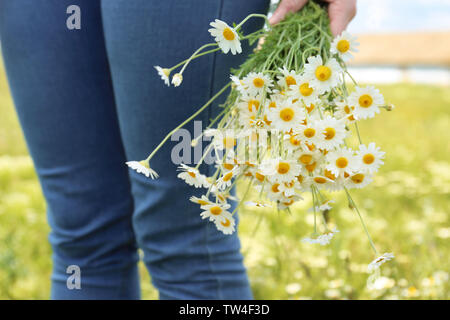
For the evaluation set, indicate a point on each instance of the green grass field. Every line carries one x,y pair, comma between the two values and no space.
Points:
406,208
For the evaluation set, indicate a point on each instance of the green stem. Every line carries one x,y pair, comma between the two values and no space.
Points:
187,120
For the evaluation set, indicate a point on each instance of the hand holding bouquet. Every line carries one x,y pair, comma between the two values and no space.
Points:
285,124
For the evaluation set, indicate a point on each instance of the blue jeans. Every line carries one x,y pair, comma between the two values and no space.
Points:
89,100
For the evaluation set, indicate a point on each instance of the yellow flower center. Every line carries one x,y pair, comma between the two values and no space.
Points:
347,109
341,162
311,167
368,158
226,223
358,178
228,176
216,210
310,108
287,114
329,174
323,73
202,202
275,188
290,80
259,176
343,46
272,104
300,178
289,184
228,166
365,101
228,34
252,103
294,141
309,132
258,82
283,167
229,142
320,180
305,89
305,159
329,133
192,174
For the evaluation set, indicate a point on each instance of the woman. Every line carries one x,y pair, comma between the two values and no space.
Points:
88,100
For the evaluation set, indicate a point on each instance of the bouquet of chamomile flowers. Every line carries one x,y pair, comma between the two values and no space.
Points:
284,124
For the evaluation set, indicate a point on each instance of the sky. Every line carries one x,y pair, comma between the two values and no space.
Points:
379,16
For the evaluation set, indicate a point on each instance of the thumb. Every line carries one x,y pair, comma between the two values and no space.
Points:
341,12
284,8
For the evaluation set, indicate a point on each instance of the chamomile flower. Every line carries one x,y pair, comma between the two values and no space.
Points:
286,202
323,239
370,157
282,170
224,140
324,76
343,45
309,132
344,111
357,180
215,211
142,167
192,176
333,133
257,204
302,90
367,102
291,142
225,36
287,78
227,224
271,189
325,206
375,264
226,179
288,188
256,83
203,200
177,79
286,115
321,182
341,161
164,73
238,84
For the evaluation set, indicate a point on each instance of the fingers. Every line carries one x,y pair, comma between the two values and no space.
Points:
341,12
285,7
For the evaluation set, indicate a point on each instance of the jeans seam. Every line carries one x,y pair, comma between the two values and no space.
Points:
219,284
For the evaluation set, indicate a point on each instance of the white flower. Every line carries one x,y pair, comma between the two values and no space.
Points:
375,264
357,180
343,45
333,133
164,73
225,36
323,239
309,132
344,111
256,83
322,182
286,115
192,176
143,167
324,206
227,224
226,179
177,79
238,83
288,188
323,76
215,211
201,201
370,158
367,102
287,78
257,204
341,161
303,91
281,170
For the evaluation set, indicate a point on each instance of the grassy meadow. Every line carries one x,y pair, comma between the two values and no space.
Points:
406,208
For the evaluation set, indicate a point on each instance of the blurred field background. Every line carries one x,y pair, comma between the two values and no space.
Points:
406,208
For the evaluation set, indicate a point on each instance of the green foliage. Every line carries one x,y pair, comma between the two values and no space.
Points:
406,209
